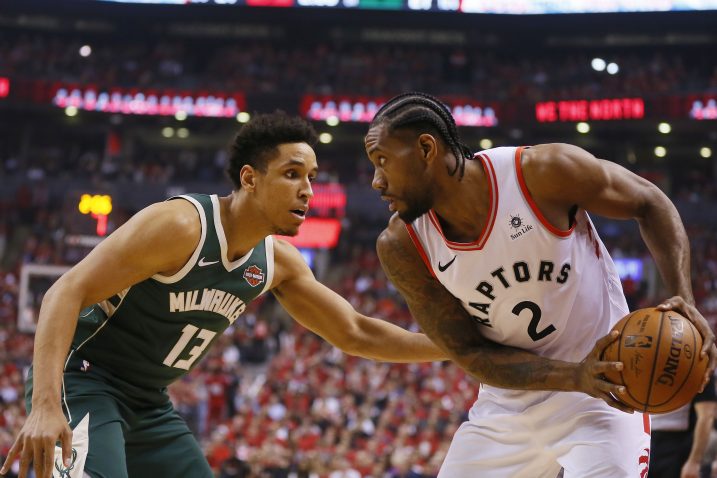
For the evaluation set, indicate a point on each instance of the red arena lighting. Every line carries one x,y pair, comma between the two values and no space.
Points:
613,109
4,86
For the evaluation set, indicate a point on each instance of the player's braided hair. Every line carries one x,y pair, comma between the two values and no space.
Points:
418,111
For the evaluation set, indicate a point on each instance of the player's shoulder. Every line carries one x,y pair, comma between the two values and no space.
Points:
395,229
178,219
552,162
283,249
288,261
551,153
394,236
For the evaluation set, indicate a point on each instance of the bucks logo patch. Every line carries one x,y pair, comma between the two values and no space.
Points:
64,471
80,446
253,275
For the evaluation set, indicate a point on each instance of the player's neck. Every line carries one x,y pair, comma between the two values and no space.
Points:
243,225
463,205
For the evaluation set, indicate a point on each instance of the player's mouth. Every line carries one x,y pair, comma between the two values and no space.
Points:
299,213
391,202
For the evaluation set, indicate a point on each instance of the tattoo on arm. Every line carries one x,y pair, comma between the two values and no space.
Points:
443,319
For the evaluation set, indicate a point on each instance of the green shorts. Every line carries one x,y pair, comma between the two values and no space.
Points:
122,431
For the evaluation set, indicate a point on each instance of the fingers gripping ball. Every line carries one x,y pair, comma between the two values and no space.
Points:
660,352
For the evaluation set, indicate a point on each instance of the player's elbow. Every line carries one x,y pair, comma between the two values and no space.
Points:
354,340
61,288
650,202
71,287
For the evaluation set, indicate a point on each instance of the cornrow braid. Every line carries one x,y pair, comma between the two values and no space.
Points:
413,109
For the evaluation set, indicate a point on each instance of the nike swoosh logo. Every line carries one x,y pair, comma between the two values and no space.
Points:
443,268
203,263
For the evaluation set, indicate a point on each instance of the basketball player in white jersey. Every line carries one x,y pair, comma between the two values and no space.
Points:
501,266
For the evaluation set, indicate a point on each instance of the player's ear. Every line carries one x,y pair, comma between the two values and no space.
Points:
429,147
247,177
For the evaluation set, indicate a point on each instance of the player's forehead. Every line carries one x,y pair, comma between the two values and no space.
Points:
379,137
386,139
295,154
376,133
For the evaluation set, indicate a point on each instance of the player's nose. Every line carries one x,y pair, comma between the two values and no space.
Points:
306,190
379,181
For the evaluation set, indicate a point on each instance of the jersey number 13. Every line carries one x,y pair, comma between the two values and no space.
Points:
188,333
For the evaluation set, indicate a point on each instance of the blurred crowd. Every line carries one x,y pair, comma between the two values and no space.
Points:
89,159
358,68
271,399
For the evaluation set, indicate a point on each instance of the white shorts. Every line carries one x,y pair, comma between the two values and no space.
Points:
517,434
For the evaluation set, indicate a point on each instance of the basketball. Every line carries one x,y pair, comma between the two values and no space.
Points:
660,352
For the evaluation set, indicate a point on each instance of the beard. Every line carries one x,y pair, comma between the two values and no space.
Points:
415,208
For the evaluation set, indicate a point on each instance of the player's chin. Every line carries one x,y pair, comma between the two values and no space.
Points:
290,231
409,215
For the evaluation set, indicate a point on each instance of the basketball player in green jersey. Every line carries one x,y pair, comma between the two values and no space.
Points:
154,295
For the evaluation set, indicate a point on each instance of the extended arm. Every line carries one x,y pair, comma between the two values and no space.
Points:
442,318
560,176
321,310
160,238
157,239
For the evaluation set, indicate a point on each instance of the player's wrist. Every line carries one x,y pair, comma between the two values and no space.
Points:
573,377
565,377
46,401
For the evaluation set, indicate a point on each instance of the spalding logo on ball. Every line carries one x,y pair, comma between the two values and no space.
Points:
660,352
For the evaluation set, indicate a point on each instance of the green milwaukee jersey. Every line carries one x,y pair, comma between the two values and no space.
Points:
155,331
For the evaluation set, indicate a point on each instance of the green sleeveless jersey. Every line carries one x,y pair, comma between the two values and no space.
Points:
154,332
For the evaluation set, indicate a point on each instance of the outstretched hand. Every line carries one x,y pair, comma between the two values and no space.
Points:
36,442
591,378
709,349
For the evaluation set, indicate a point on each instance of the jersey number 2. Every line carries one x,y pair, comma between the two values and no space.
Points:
533,331
188,333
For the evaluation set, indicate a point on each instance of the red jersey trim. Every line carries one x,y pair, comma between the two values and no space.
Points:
646,423
419,248
493,211
531,202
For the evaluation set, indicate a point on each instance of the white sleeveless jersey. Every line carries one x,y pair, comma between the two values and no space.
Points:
526,283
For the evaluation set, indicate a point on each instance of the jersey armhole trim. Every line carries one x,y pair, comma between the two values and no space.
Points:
484,235
193,259
221,236
419,247
269,248
531,201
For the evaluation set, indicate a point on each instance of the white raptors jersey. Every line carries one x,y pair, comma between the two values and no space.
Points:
526,283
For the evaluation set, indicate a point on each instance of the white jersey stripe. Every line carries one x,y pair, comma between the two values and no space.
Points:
421,251
528,197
